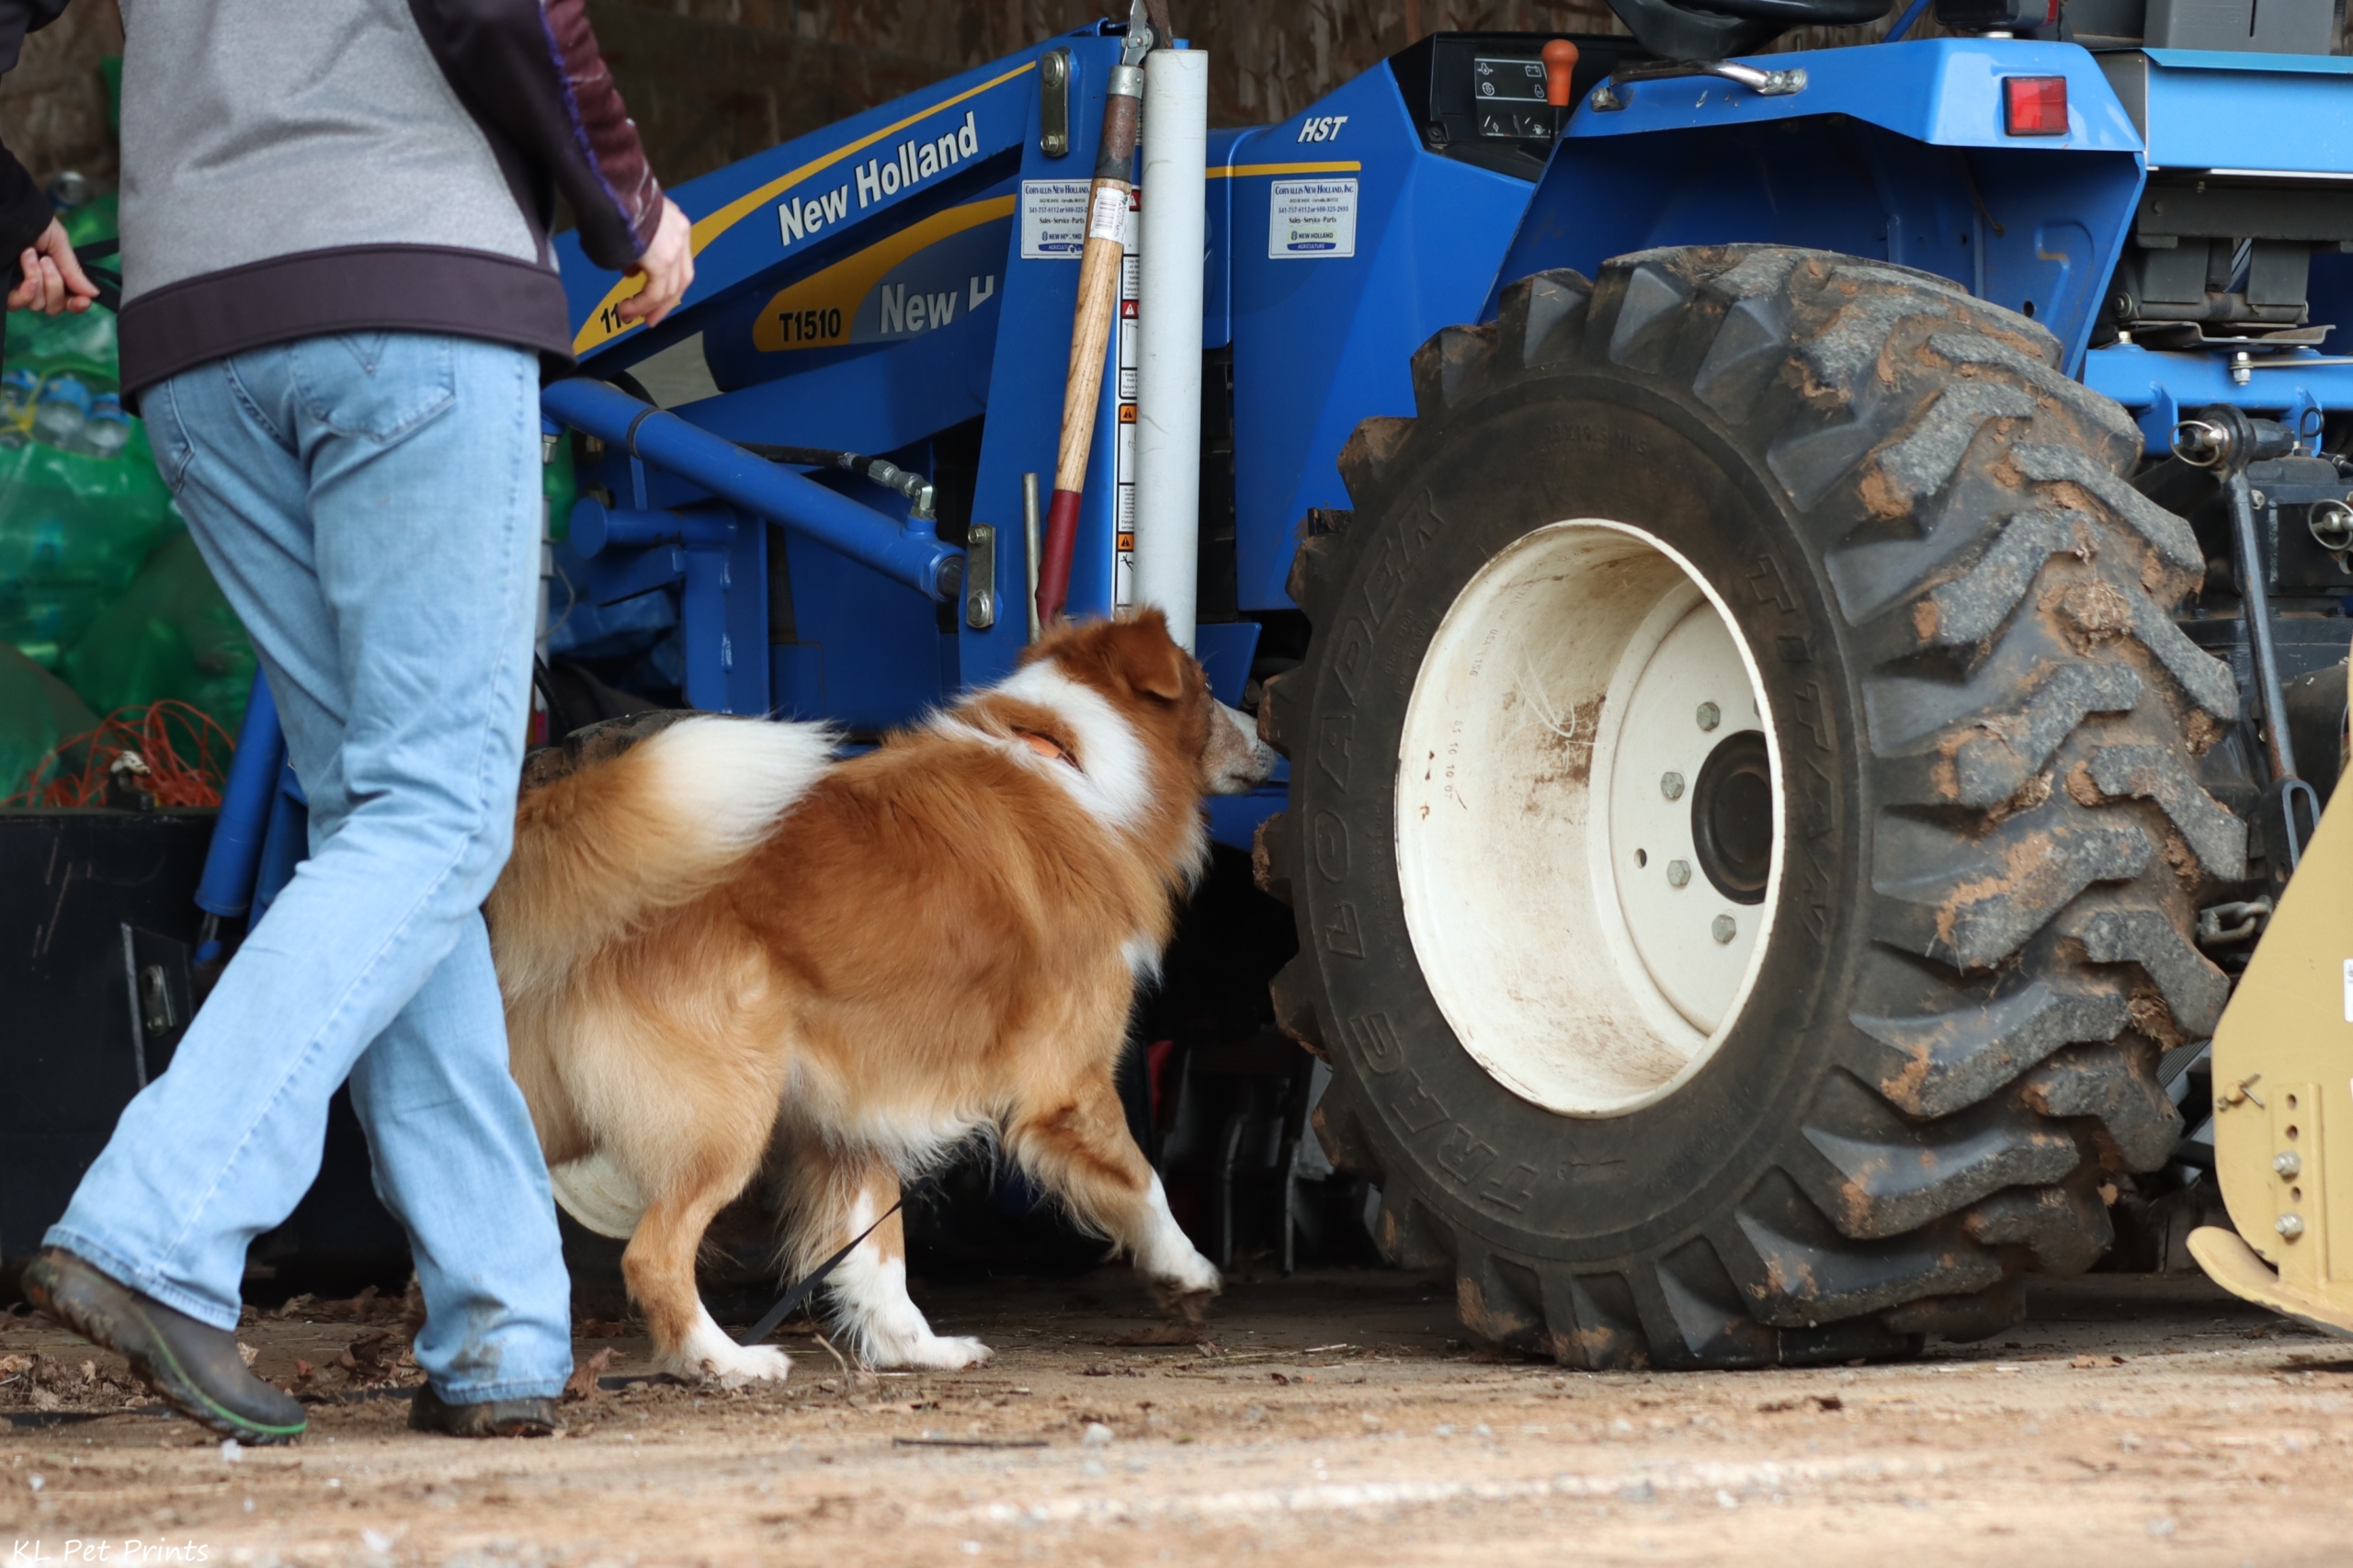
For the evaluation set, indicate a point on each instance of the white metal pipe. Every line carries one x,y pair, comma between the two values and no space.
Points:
1030,533
1168,371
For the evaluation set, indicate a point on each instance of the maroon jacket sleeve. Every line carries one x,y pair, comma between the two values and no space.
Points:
24,208
530,72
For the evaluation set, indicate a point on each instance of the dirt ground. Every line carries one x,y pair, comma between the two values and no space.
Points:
1338,1418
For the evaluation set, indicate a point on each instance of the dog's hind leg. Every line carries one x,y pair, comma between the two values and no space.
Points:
681,1079
836,1199
1076,1145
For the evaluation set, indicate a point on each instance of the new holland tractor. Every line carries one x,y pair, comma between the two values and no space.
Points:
1804,599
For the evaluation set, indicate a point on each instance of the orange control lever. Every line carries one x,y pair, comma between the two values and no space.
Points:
1560,65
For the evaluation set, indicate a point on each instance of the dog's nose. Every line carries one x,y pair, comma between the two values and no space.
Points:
1244,761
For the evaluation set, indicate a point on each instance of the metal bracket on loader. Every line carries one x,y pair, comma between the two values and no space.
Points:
2283,1100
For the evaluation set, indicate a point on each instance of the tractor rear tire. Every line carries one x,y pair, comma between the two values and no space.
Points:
1882,1051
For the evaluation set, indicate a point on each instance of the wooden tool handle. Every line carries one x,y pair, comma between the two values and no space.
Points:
1090,337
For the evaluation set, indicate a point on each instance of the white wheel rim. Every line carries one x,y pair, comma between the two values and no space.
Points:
1545,910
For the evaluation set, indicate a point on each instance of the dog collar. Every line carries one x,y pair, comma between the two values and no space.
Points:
1043,745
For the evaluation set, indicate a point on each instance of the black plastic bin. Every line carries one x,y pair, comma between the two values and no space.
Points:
99,927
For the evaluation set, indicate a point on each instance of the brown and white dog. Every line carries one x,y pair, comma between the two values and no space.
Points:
726,954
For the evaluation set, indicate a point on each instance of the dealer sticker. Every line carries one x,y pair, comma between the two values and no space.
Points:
1054,218
1310,219
1110,218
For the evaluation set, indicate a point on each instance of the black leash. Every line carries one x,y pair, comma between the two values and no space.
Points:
800,1292
108,279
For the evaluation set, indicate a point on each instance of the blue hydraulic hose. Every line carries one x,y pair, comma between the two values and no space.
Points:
227,886
1904,23
285,846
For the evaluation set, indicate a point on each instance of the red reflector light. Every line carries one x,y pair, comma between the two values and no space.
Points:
2034,106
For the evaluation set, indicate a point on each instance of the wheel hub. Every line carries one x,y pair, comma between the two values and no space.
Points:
1588,810
1732,816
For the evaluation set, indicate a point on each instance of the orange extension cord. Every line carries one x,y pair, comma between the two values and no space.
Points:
172,753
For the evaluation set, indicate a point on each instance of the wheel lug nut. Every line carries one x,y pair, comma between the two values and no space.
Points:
1709,716
2289,1225
1724,930
1678,872
1671,786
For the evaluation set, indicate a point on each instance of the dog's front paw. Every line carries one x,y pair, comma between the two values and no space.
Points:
1189,1308
1187,1273
935,1351
1184,1293
730,1365
753,1363
950,1354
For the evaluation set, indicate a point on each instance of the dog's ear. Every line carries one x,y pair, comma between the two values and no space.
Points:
1149,658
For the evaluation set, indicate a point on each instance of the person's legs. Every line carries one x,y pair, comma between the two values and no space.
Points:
370,506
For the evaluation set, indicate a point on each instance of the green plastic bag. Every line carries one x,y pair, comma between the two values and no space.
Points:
38,712
560,486
74,532
171,634
97,218
65,344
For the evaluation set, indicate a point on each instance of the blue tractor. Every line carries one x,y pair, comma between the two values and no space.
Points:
1794,592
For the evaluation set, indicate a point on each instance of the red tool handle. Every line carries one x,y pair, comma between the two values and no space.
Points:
1053,567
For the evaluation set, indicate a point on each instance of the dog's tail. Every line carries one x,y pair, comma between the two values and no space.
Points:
601,850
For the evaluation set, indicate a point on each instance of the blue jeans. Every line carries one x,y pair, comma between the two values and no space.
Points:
371,505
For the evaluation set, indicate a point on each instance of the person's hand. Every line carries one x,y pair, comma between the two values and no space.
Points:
667,267
54,280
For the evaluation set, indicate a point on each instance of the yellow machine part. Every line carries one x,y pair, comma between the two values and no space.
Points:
2283,1099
